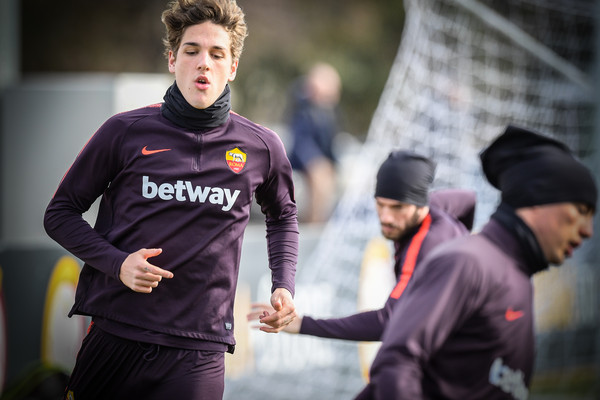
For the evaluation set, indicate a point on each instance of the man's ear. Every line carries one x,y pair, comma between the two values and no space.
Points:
234,66
171,62
423,211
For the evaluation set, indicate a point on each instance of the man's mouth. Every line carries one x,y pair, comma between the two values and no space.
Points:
570,249
388,228
202,83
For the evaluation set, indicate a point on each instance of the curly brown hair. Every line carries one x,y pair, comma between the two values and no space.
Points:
181,14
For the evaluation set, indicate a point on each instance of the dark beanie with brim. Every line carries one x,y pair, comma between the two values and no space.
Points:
405,176
530,169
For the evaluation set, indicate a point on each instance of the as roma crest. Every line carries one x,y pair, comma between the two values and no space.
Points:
236,159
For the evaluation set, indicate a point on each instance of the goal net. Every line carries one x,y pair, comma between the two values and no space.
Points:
464,70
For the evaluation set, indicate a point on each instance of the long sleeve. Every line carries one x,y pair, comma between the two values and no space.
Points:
276,198
282,245
439,299
86,180
364,326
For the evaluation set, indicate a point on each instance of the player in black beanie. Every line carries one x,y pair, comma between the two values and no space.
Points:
530,169
416,222
405,176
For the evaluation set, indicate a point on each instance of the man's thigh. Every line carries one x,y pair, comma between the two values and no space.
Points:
111,367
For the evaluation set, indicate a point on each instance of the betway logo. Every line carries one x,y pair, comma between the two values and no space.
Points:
509,380
185,191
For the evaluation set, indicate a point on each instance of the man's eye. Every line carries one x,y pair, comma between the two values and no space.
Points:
583,209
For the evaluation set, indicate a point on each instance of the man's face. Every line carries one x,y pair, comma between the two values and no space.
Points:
559,228
396,217
203,64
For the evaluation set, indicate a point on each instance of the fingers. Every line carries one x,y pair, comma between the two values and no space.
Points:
141,276
282,324
145,282
283,303
147,253
154,271
149,268
258,311
278,304
276,317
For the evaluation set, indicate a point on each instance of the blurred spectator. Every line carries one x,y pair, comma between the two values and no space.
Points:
314,123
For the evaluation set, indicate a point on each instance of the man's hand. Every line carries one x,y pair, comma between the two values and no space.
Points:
260,310
277,317
139,275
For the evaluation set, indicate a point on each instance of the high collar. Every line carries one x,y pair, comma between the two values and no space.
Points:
177,110
523,240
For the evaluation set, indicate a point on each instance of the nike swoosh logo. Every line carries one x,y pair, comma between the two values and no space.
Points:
147,152
512,315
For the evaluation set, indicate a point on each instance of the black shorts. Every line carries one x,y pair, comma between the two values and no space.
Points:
110,367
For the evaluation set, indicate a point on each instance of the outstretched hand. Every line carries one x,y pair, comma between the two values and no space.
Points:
280,315
139,275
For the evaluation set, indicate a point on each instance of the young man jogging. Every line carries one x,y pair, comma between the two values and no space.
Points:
177,180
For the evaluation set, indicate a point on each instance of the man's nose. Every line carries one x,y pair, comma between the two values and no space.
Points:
385,216
587,228
203,61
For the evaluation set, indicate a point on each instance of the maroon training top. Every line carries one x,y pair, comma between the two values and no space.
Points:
188,192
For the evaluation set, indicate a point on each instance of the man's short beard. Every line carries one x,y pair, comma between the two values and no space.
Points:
410,225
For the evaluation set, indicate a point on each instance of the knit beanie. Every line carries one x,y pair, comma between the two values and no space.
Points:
405,176
531,169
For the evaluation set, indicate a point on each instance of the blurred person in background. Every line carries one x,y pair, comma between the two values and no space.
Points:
313,124
177,181
465,328
416,223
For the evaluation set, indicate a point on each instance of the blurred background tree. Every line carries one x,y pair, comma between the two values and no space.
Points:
359,38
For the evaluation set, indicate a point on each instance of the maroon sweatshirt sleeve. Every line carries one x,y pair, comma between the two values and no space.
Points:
439,299
277,202
364,326
87,178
